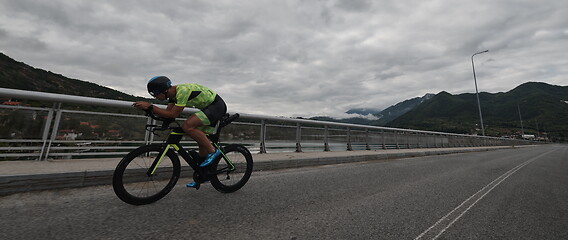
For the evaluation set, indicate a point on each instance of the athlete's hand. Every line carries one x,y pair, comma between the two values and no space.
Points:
141,105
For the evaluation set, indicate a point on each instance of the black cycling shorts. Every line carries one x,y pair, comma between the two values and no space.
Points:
213,113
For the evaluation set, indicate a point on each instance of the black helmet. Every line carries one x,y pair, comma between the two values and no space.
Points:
158,84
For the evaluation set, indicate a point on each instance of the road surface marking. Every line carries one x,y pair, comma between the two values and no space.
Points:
447,221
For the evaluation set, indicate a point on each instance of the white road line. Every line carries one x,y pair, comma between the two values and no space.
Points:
449,219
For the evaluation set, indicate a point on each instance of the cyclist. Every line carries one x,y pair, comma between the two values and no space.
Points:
197,125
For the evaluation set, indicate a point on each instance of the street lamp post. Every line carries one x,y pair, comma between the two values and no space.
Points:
521,118
477,92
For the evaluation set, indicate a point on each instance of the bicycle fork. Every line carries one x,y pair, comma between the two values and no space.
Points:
159,159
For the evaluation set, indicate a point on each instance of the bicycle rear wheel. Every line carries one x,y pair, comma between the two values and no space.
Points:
131,182
227,179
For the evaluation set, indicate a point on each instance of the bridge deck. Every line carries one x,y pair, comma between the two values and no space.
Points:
22,176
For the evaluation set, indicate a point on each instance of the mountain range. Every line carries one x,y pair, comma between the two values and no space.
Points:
370,116
532,108
543,108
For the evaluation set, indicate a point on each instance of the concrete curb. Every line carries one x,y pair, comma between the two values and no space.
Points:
48,181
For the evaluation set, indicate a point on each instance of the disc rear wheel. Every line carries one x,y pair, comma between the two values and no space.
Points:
232,174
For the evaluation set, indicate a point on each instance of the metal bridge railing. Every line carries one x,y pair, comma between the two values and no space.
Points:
58,130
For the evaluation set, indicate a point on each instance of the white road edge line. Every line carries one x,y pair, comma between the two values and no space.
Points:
489,186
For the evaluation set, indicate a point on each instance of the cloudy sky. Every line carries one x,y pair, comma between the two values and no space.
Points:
295,57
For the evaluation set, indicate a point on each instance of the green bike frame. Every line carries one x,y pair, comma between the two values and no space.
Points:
173,142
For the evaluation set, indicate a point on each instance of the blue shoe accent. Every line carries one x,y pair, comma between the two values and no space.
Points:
192,185
210,157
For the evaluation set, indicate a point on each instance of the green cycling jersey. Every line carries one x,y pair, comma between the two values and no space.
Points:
193,95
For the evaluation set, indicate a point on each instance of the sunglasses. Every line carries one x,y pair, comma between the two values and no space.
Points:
156,93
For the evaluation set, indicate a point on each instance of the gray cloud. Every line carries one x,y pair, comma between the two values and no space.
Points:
294,58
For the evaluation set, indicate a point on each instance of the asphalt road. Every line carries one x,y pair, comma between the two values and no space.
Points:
502,194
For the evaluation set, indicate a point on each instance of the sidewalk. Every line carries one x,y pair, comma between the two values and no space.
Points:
23,176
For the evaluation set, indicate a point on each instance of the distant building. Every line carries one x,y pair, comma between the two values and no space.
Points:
113,133
528,136
12,103
67,134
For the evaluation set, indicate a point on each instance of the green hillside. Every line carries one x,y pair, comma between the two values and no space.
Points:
543,109
18,75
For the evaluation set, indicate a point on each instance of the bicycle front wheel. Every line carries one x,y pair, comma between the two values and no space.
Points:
232,173
134,184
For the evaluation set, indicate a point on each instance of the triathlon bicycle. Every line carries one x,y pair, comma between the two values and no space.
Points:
150,172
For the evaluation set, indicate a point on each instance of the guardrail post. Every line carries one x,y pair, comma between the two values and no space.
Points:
384,139
263,136
54,130
435,138
396,140
46,128
349,147
367,146
417,140
148,136
326,139
298,137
